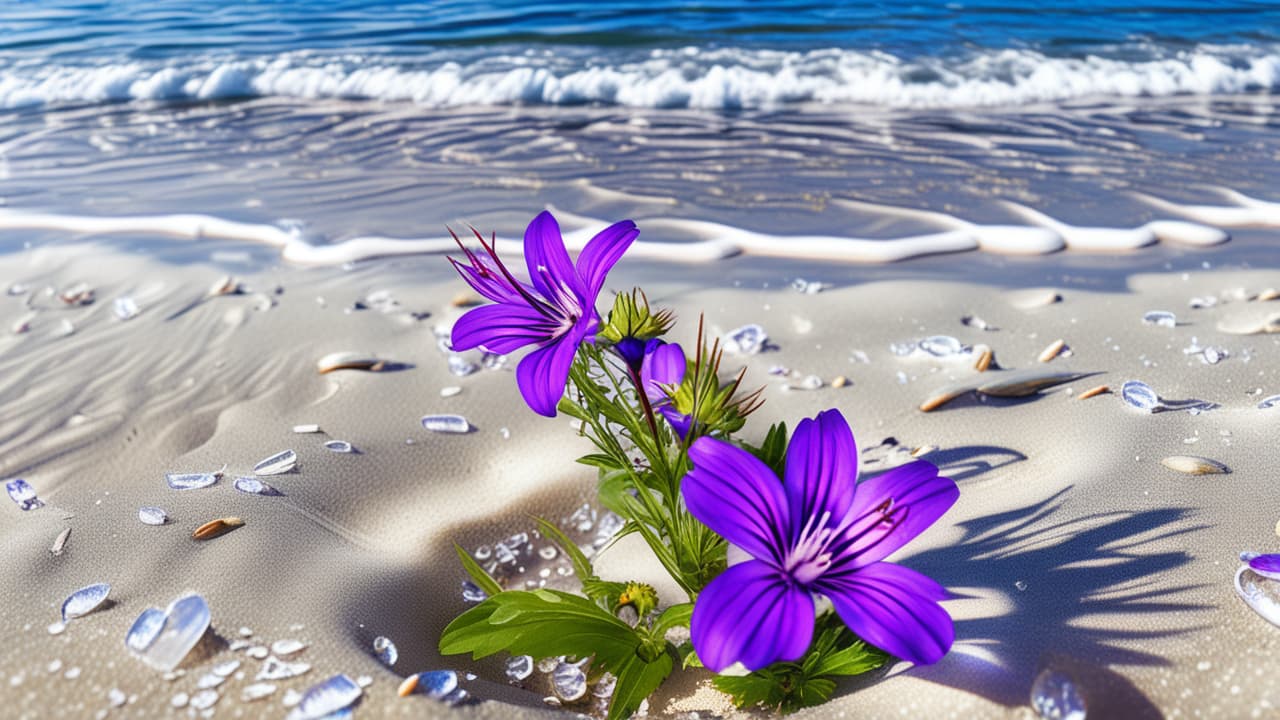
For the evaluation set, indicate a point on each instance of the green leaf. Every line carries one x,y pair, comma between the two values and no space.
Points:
853,660
674,616
600,460
542,623
773,451
481,578
636,680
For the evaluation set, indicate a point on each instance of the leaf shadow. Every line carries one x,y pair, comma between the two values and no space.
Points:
1077,593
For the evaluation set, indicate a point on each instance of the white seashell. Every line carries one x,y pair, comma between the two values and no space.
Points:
1195,465
281,462
349,361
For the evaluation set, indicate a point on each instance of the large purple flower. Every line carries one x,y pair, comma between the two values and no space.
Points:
819,532
557,312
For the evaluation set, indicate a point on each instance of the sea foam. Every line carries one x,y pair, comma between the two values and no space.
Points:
713,79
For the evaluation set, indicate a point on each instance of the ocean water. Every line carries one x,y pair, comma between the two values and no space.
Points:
717,54
343,119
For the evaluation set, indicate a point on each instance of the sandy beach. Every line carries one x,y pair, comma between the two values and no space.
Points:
967,230
1072,546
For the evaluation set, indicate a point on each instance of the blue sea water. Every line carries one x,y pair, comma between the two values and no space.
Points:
712,54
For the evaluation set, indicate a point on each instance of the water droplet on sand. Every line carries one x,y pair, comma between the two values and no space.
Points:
162,640
153,515
21,492
256,691
385,650
461,366
125,308
746,340
252,486
519,667
941,346
569,681
1140,396
274,668
446,423
284,648
191,481
1160,318
1054,696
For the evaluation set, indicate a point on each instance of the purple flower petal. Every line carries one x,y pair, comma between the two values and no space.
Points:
679,422
543,373
894,608
822,468
500,328
486,280
1268,565
549,267
890,510
665,365
752,613
601,253
739,497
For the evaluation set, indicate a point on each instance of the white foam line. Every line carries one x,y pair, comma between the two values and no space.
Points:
183,226
1088,239
807,247
1258,213
1003,239
716,240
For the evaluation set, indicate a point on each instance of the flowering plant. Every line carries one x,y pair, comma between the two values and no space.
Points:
752,534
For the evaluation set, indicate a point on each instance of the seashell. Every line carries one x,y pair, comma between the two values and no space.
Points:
437,684
1032,299
840,381
326,699
84,601
215,528
281,462
985,357
466,300
1250,326
60,542
79,294
1195,465
226,285
349,361
303,429
1268,295
1094,392
923,450
1055,348
946,395
1022,383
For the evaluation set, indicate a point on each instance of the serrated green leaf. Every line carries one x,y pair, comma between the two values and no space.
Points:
636,680
854,660
750,690
543,623
482,579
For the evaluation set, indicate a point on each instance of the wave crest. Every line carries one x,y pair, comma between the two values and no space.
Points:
720,79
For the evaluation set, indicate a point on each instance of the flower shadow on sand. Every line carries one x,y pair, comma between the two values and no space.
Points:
1090,587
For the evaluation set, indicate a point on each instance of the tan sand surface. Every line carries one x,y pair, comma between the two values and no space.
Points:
1071,545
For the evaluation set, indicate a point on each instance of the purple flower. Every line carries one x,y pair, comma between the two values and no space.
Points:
664,366
557,312
819,532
